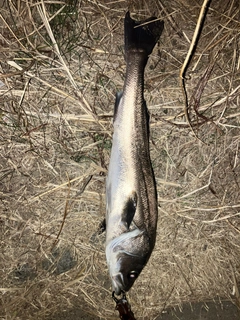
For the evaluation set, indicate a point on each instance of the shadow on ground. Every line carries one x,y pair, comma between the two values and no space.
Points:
198,311
203,311
72,314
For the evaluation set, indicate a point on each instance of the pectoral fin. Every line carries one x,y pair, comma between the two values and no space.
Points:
129,210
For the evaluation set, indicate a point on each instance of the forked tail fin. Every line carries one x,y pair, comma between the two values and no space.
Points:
141,36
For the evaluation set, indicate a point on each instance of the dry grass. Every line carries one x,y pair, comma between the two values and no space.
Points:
61,64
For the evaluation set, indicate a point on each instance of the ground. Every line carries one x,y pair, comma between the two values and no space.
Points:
61,65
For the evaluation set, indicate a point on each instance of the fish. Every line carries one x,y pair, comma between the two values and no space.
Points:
131,194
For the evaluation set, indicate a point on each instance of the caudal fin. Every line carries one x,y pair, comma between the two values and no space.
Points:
141,35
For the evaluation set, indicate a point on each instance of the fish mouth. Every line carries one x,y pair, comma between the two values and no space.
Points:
117,283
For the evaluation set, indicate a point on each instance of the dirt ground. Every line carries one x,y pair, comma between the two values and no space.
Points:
197,311
204,311
61,64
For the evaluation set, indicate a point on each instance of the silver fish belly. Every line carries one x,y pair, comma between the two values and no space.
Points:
131,196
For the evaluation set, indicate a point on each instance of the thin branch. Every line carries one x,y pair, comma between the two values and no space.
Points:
189,56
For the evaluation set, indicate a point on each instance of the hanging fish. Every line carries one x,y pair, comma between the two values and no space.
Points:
131,196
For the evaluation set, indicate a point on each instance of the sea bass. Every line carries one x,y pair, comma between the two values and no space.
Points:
131,196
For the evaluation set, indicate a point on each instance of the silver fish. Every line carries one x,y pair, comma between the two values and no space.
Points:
131,196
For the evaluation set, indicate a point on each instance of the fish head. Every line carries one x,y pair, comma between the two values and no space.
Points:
126,256
129,268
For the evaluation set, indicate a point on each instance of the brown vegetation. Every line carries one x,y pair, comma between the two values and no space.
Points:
61,65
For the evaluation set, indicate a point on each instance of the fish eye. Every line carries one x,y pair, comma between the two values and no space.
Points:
133,275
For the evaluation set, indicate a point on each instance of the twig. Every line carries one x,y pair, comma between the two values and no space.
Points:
189,57
184,276
65,213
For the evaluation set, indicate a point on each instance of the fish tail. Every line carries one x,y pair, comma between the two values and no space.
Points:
141,36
